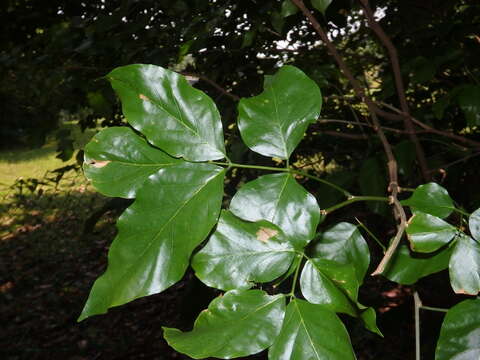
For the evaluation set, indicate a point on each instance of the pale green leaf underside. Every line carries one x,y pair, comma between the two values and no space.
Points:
428,233
174,116
240,254
118,162
309,332
278,198
274,122
474,224
460,334
464,266
239,323
156,234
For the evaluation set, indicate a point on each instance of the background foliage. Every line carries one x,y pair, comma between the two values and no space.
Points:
54,57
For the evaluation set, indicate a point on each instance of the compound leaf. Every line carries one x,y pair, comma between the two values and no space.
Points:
321,282
279,199
174,116
241,253
428,233
407,270
344,244
239,323
432,199
173,213
465,266
118,162
310,332
460,334
273,123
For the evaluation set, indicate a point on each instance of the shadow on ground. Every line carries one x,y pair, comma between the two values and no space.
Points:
48,265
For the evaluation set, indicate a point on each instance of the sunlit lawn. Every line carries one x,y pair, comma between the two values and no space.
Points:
35,163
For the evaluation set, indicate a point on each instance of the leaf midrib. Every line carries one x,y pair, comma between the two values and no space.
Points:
154,238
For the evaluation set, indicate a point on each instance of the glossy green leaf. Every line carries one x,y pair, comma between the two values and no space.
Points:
474,224
239,323
319,288
407,269
174,116
428,233
460,334
465,266
310,332
278,198
469,101
432,199
321,5
173,213
240,254
273,123
369,318
373,182
118,162
344,244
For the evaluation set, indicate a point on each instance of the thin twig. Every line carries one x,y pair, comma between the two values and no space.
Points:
214,84
393,187
432,130
417,303
393,55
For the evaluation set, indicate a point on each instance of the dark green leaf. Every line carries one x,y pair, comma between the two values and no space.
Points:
278,198
428,233
474,224
318,288
432,199
469,101
460,334
277,21
174,116
321,5
310,332
118,162
465,266
288,8
239,323
369,318
273,123
373,182
407,270
344,244
174,211
240,254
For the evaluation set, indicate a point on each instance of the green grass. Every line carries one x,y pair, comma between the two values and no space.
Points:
35,163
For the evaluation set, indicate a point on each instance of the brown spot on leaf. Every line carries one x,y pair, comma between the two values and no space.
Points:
143,97
99,164
263,234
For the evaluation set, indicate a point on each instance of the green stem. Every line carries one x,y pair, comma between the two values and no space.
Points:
431,308
316,178
294,282
287,169
372,235
461,211
353,199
